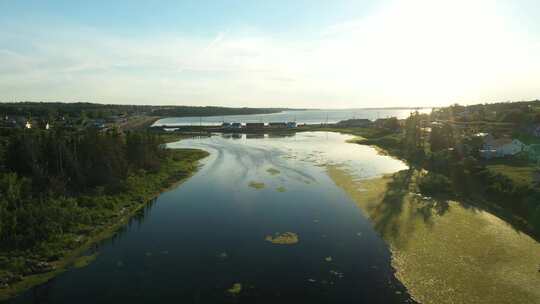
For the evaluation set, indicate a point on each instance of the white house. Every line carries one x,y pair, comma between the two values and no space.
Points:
501,147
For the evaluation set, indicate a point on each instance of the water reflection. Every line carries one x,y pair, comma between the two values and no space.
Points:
174,248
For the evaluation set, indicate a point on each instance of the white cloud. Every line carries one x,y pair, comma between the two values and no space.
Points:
407,53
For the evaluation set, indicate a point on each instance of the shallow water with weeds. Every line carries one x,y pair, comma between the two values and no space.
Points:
206,240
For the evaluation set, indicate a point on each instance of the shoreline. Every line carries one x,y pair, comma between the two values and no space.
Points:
443,251
103,233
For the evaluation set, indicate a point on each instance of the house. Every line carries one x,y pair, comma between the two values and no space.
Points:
501,147
355,123
291,124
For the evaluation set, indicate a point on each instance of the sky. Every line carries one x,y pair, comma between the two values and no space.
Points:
279,53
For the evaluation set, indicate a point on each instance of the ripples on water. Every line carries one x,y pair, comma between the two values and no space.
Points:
209,236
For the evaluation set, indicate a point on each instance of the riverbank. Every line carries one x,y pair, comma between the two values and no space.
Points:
22,270
445,251
475,185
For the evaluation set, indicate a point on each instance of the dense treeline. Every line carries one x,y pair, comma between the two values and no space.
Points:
47,178
51,110
521,113
180,111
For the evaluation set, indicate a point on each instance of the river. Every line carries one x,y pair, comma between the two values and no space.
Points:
207,241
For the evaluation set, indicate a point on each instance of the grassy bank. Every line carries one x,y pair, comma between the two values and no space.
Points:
109,212
446,251
499,186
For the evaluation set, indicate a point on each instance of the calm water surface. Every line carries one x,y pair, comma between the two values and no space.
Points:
307,116
196,241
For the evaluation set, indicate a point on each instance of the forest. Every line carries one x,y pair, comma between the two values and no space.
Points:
57,187
94,110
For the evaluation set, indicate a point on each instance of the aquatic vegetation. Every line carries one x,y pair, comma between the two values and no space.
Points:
273,171
328,259
84,260
235,289
281,189
286,238
337,274
256,185
446,251
223,256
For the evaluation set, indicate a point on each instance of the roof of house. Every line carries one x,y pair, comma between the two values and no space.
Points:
500,142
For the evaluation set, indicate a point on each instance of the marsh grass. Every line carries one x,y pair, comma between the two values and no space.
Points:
273,171
84,261
286,238
281,189
256,185
235,289
446,251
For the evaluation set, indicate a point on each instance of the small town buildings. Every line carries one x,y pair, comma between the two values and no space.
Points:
291,124
500,147
226,125
277,124
236,125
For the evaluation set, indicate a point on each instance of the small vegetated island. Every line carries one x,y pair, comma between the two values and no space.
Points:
286,238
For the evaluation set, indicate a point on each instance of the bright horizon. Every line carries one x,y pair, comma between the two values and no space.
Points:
293,54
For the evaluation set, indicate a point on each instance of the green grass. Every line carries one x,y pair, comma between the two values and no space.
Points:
528,139
519,171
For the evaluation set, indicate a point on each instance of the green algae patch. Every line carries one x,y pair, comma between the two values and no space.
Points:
281,189
446,251
356,140
84,261
287,238
235,289
273,171
256,185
